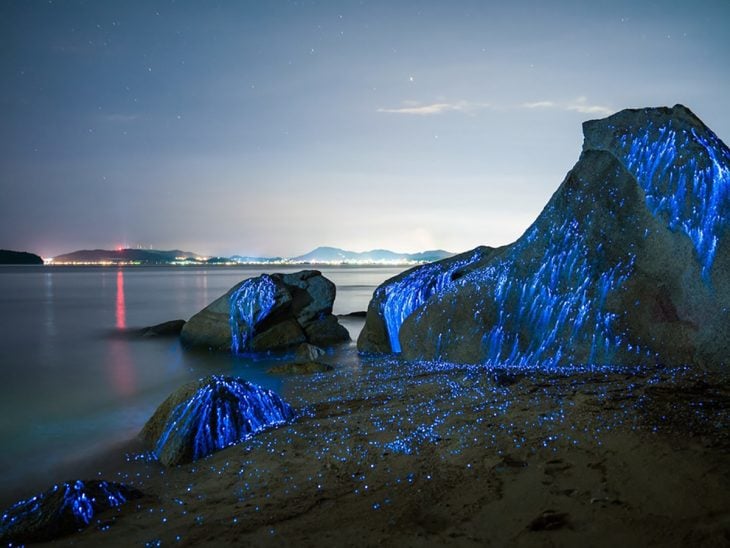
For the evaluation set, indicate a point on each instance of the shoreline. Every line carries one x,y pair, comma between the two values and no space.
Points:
416,453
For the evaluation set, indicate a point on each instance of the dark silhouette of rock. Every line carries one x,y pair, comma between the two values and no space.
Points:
62,510
165,329
267,313
18,257
356,314
211,414
629,263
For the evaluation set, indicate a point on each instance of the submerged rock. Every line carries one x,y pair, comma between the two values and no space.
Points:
270,312
165,329
211,414
629,263
62,510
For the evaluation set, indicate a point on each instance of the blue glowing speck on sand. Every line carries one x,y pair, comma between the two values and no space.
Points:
409,293
221,413
686,178
62,509
249,304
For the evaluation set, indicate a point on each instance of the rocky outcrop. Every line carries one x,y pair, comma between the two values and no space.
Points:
629,263
60,511
398,297
268,313
209,415
171,328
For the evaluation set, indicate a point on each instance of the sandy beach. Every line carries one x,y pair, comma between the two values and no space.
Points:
388,453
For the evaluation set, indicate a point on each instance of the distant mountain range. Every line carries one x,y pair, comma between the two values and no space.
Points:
321,255
336,255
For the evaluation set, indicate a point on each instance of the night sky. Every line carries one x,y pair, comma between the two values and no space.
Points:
269,128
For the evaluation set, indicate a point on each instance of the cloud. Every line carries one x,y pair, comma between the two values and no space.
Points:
539,104
119,118
578,105
434,108
415,108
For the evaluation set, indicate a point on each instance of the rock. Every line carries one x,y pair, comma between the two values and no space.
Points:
308,352
356,314
165,329
303,368
326,332
268,313
628,264
62,510
398,297
209,415
281,335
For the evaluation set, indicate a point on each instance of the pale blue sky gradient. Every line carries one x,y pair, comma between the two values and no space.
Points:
268,128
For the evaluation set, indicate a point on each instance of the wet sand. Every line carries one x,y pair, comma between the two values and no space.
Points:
388,453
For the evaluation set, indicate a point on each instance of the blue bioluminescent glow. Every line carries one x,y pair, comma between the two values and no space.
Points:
542,303
249,304
81,500
558,305
685,175
221,413
409,293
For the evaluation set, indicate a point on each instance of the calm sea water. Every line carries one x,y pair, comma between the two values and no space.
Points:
73,384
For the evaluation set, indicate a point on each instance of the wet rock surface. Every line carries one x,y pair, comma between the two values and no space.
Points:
629,263
209,415
268,313
62,510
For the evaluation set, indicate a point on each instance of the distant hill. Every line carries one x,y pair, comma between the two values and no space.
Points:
18,257
336,255
141,256
321,255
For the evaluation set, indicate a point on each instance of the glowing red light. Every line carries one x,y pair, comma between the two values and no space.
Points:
121,308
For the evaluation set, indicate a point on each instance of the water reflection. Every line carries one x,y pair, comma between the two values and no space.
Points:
120,308
121,367
201,283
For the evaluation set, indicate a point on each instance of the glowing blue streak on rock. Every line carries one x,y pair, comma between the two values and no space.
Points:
409,293
559,303
686,178
249,304
76,498
222,413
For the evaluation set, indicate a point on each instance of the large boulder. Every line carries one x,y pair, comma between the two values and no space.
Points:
398,297
629,263
60,511
268,313
211,414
